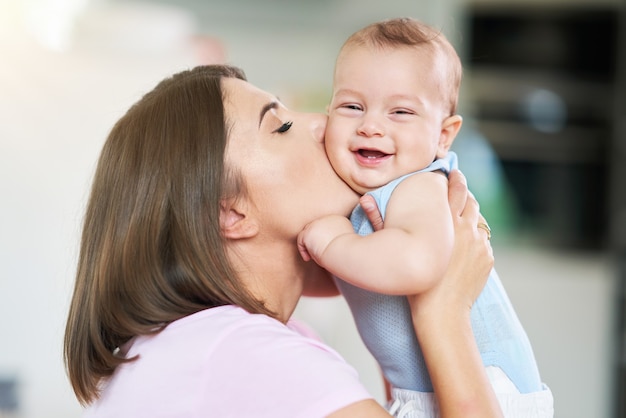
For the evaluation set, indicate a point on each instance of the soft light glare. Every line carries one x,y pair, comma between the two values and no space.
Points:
49,22
545,110
9,16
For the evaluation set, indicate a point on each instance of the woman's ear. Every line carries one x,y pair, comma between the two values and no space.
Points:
234,221
449,129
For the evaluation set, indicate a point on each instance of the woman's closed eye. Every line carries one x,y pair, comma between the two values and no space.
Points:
284,127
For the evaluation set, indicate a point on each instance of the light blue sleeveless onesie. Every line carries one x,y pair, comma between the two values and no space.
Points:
385,325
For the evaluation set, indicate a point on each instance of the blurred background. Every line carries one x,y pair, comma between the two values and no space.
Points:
543,147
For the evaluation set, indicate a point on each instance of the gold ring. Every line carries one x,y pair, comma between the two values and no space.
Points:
483,225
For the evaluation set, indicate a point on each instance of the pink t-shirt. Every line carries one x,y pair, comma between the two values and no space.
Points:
225,362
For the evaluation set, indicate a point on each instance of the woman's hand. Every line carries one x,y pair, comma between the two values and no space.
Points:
441,315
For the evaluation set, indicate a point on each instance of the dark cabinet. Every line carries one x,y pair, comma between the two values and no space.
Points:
542,80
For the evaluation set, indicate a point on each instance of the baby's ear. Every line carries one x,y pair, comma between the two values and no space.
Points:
449,129
235,223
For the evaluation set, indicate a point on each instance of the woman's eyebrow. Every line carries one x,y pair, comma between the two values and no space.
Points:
269,106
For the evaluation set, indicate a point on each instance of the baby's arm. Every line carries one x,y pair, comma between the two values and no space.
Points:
408,256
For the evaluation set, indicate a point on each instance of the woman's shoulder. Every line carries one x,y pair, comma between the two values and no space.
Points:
216,356
226,328
265,357
222,324
229,333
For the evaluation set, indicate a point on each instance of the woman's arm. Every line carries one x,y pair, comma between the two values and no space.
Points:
442,315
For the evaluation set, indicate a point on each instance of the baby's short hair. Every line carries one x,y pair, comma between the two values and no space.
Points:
409,32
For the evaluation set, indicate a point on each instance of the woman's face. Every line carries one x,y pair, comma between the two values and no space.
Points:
281,158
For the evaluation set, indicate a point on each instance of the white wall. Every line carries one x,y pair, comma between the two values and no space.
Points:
56,108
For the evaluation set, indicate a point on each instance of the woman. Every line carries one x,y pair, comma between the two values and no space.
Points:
189,269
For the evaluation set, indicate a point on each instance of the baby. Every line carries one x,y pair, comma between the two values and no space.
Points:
392,120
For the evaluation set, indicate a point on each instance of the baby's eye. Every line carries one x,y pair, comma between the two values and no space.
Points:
284,127
403,112
351,107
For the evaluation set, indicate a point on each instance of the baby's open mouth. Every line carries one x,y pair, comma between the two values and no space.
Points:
371,154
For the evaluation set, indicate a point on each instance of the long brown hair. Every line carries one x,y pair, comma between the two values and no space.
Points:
151,250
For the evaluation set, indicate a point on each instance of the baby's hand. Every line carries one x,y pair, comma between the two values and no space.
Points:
317,236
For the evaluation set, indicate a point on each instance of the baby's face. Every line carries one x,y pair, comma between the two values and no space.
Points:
385,116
